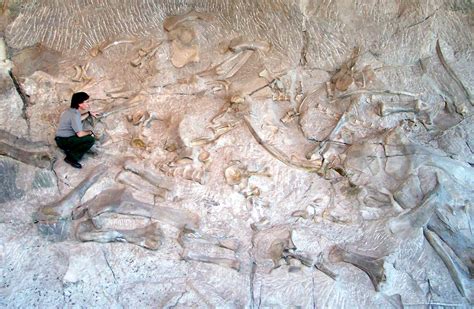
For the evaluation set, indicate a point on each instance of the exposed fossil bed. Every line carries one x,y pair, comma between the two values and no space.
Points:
249,154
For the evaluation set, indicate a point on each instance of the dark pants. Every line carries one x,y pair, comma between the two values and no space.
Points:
75,147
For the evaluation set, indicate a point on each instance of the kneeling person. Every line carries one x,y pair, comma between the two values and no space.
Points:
70,135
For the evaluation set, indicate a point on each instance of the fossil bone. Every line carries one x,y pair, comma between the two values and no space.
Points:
32,153
122,202
460,277
277,154
450,71
240,44
173,22
148,237
371,266
418,216
225,262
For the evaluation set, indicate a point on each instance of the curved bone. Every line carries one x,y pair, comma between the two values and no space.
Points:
371,266
452,73
462,246
277,154
460,277
148,237
172,22
416,217
239,44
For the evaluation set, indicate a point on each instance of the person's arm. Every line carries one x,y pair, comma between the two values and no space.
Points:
89,113
84,133
77,127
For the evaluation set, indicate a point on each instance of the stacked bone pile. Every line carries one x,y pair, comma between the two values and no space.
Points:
249,153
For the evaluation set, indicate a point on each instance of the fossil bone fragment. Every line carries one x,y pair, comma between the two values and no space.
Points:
149,175
239,44
135,181
81,73
371,266
418,216
310,166
32,153
309,262
412,107
450,71
236,174
184,48
95,51
148,237
462,246
460,277
270,244
172,22
225,262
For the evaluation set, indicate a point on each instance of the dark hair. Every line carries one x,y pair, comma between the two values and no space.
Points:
78,98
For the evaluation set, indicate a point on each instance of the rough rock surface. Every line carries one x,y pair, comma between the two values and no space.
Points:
312,153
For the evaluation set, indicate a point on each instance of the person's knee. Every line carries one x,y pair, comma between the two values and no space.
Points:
88,140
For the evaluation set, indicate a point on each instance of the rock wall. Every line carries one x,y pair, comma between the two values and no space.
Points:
249,153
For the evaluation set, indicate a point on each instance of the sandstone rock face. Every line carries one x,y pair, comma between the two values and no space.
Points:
313,153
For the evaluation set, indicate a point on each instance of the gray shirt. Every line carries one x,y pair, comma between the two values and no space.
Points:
69,123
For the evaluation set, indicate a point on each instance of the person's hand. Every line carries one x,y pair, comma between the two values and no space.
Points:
93,114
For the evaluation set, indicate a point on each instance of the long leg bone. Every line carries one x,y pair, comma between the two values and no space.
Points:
32,153
121,202
460,277
148,237
54,219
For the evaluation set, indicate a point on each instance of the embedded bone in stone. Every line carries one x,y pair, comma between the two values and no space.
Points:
122,202
460,276
224,262
23,150
240,44
62,209
418,216
149,175
135,181
184,47
450,233
269,245
226,243
148,237
172,22
266,63
371,266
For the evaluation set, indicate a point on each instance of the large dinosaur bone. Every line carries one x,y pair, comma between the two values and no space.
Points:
122,202
55,218
148,237
416,217
371,266
32,153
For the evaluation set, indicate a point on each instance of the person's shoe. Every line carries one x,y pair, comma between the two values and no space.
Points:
73,162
